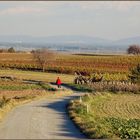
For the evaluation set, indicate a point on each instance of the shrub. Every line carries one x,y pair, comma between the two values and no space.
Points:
11,50
4,101
115,87
135,74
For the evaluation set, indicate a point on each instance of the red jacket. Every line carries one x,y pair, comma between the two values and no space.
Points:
58,81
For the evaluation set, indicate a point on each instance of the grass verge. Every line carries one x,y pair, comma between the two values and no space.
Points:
107,115
10,99
80,88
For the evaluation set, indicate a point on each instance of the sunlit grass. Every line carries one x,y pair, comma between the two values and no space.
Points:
33,75
105,115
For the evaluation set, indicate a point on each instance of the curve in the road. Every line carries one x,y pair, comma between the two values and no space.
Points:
45,119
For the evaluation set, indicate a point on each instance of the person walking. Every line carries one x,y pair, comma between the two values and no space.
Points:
58,82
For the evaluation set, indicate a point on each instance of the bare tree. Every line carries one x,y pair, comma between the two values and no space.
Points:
43,57
134,49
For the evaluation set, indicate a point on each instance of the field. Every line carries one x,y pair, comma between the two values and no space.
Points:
116,105
34,75
107,115
117,64
29,81
111,109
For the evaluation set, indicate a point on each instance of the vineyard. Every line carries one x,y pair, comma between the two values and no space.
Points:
113,67
107,115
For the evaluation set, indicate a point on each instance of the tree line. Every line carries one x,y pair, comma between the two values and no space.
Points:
9,50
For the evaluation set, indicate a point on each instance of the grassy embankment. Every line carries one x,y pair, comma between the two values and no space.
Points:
106,115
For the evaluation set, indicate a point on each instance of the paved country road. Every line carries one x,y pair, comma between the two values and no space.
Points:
44,119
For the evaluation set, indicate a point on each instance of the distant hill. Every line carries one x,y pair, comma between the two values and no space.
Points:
70,39
63,39
69,43
128,41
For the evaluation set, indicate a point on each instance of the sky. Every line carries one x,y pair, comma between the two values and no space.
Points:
105,19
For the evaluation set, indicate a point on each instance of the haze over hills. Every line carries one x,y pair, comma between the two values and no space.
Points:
128,41
69,39
54,39
69,43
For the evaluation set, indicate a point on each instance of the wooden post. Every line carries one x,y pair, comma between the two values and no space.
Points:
87,108
80,99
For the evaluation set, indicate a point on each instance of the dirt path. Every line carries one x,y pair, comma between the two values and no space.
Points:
44,119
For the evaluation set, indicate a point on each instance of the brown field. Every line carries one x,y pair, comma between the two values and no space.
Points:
117,105
69,63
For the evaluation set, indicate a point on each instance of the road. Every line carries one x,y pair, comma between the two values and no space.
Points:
44,119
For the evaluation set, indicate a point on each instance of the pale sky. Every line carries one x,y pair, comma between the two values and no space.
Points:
104,19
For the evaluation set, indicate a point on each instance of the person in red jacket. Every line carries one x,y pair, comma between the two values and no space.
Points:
58,82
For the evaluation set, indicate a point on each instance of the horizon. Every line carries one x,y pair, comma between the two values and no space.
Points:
111,40
110,20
